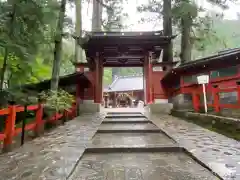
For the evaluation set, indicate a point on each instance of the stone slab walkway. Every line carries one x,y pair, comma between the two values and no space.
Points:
52,156
219,153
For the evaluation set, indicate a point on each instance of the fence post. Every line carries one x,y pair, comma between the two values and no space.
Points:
238,92
39,121
74,110
216,99
10,127
195,99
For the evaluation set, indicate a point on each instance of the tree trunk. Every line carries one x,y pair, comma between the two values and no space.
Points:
167,29
58,47
186,44
78,31
97,16
4,68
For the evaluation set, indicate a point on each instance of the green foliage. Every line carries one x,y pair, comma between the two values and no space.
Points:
57,101
28,29
209,33
107,76
115,16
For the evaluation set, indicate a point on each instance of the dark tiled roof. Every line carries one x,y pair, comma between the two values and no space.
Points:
225,58
223,55
64,81
126,83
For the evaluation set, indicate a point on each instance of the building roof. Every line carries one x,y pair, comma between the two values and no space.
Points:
123,48
64,81
226,58
126,83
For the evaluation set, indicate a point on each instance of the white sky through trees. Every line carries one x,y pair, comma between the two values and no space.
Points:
134,16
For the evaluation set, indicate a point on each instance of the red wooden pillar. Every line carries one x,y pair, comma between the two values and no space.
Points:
39,121
101,69
77,92
146,78
97,89
150,81
216,101
238,94
9,128
196,101
78,86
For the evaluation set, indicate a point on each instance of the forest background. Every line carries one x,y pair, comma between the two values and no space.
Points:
38,37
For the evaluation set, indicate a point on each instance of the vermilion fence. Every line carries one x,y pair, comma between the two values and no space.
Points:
10,129
220,97
215,101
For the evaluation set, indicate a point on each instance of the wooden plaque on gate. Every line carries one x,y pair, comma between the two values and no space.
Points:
157,68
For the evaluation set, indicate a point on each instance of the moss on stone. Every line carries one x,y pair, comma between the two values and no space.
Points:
222,126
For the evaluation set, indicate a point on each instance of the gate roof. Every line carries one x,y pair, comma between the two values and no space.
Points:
120,49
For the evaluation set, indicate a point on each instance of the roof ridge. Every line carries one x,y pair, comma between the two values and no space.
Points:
132,75
214,56
114,82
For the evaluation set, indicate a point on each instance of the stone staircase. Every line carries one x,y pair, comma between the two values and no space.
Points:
127,145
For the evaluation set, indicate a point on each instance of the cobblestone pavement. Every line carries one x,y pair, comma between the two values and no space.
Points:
140,166
123,152
52,156
219,153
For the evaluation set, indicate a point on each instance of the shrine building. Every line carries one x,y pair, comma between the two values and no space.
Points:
165,84
124,49
131,85
223,89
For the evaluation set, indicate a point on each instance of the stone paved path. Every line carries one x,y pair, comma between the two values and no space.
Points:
131,150
218,152
52,156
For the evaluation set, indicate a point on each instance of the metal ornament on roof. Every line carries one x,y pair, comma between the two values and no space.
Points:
122,61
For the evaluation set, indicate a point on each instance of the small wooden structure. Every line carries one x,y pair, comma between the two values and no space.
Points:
67,83
131,87
124,100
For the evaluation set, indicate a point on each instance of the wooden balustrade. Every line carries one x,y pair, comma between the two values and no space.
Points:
37,126
216,104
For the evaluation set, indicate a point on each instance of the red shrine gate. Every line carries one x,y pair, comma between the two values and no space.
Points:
125,49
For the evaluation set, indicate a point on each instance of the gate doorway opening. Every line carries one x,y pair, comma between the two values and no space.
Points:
123,87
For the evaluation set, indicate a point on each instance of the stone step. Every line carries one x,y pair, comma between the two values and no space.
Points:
129,139
127,126
139,164
126,120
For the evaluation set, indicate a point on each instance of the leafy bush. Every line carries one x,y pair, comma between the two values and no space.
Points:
57,101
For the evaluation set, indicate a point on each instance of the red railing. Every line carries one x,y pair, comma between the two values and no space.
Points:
10,130
216,103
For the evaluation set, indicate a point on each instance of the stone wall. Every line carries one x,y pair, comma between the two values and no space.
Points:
89,107
235,113
160,108
224,125
182,102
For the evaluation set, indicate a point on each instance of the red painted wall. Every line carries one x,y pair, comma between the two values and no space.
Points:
158,91
89,92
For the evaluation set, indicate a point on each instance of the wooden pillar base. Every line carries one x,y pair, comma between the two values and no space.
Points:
7,148
39,131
